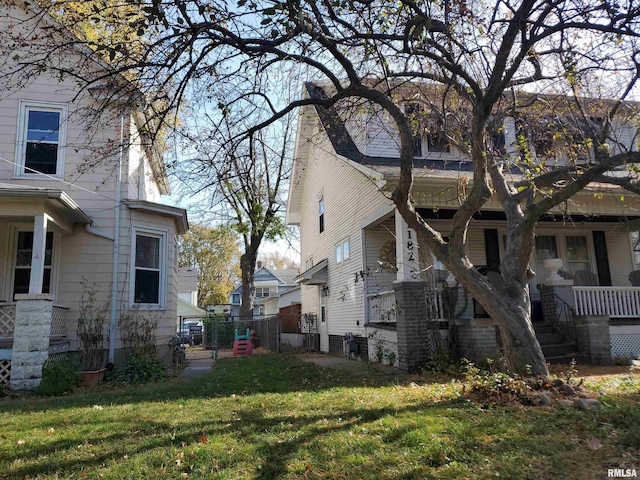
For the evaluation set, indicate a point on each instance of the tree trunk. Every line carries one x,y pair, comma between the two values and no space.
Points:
247,267
511,309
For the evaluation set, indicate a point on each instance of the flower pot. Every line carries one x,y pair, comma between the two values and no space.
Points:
552,265
92,378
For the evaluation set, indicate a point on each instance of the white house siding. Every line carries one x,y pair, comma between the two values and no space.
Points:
166,317
348,196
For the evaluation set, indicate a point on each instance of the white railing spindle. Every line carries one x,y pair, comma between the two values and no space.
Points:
616,302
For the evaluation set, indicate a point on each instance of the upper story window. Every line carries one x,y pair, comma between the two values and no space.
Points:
429,132
342,251
41,139
149,267
236,298
309,263
262,292
321,214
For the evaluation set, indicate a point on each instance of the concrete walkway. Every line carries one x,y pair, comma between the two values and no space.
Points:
350,366
197,368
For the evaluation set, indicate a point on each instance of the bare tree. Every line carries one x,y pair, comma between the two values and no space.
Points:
478,58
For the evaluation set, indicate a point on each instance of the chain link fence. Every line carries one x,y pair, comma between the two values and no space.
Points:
213,337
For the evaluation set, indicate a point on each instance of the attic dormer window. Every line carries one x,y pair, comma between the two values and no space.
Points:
429,130
41,139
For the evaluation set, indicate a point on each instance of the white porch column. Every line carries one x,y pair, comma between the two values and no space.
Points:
38,253
406,251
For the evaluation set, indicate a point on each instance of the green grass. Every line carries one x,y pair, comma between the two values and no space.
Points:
276,417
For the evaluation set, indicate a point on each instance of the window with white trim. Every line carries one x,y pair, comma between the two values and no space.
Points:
321,214
41,139
22,266
342,251
262,292
308,264
149,270
635,249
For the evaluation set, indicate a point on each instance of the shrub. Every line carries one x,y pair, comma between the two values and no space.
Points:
622,361
441,362
495,384
58,378
141,369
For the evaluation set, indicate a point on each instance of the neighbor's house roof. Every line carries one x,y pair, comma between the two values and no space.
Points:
186,309
284,278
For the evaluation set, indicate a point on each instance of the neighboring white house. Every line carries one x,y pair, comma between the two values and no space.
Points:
267,283
355,247
272,305
188,294
67,210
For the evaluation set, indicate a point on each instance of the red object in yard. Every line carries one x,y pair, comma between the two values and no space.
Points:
242,347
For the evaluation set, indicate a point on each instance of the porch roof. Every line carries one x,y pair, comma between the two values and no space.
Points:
316,275
56,198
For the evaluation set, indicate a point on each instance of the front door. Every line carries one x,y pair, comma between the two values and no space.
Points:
323,330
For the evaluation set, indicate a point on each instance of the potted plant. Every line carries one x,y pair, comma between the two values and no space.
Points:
92,336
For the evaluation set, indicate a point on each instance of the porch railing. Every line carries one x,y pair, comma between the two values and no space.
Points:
616,302
381,307
8,320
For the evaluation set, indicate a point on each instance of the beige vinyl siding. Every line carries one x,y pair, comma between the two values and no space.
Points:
166,317
348,196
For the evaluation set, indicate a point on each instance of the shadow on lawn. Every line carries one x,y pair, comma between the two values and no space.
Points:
251,425
232,376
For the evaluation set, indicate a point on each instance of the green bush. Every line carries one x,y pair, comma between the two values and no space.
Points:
493,383
141,369
58,378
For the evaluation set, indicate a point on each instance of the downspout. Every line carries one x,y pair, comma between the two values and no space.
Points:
116,249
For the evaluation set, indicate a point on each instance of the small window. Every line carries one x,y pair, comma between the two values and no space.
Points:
321,214
308,264
41,138
148,274
236,298
342,252
323,305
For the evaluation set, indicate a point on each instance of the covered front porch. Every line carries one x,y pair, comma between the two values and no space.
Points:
595,261
34,223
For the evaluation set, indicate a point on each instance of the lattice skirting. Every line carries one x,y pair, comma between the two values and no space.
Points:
627,345
5,372
56,357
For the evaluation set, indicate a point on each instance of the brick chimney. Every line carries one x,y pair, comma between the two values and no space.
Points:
258,264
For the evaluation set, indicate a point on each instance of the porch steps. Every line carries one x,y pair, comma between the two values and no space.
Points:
555,347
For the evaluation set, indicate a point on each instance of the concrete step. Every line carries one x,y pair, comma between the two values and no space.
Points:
564,359
551,338
558,349
543,328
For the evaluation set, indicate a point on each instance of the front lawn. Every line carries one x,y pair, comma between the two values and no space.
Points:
277,417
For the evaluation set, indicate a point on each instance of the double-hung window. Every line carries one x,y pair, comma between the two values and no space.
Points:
41,139
149,267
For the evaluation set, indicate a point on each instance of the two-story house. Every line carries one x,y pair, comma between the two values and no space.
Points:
267,283
356,249
80,202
